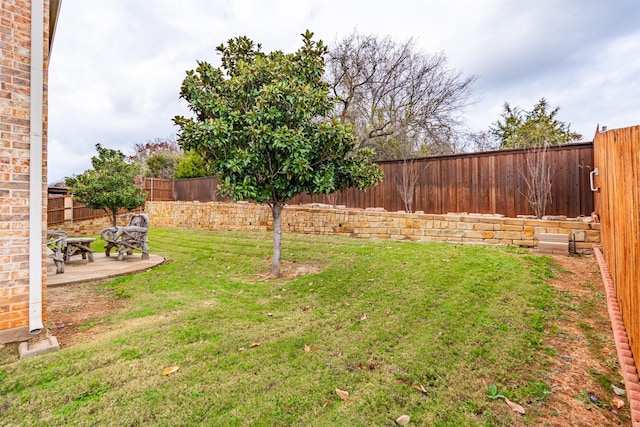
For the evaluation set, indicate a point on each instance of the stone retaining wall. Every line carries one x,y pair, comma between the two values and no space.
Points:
373,223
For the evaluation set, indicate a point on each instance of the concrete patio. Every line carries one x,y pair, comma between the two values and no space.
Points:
80,270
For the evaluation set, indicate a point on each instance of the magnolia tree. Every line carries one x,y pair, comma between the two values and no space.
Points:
260,122
110,185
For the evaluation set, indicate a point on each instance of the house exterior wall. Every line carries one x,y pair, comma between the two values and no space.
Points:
15,165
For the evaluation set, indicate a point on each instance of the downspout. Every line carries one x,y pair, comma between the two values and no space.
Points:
35,169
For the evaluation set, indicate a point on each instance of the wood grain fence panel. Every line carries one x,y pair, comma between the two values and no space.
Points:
159,189
486,183
617,157
55,210
197,189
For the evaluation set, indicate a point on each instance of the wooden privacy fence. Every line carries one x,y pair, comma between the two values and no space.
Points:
200,189
159,190
61,209
487,183
617,159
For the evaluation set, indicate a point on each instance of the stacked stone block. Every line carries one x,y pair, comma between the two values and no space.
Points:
457,228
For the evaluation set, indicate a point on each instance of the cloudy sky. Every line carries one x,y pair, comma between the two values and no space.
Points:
117,65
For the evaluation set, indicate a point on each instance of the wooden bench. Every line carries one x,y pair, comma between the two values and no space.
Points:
79,246
126,239
57,242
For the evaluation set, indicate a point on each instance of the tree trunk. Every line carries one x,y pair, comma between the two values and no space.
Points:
114,218
276,210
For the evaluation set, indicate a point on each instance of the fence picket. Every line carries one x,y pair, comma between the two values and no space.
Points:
617,157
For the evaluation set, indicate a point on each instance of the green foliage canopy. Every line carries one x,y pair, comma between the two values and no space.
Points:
535,128
192,165
161,165
259,121
110,185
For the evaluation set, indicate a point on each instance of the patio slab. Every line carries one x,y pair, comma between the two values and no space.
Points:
103,267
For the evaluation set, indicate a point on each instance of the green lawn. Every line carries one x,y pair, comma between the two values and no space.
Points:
422,329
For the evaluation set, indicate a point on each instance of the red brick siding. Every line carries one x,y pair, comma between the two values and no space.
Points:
15,167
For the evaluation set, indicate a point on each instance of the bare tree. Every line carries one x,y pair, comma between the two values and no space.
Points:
537,174
332,198
401,101
478,141
406,181
143,150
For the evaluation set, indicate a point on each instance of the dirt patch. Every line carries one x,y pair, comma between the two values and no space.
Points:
75,312
585,364
290,270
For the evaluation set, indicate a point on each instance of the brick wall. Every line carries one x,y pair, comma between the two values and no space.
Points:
15,58
461,228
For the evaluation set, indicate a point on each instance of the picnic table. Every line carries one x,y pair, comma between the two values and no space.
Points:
79,246
63,248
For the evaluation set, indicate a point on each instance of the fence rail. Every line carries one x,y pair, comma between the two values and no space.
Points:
617,157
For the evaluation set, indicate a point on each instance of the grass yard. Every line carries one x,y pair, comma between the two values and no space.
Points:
433,331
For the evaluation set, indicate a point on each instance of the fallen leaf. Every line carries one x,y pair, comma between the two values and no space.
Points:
419,387
515,407
403,420
617,390
306,307
344,395
307,348
237,294
170,370
314,348
617,402
278,297
241,349
388,313
363,317
326,402
311,290
346,304
255,344
372,366
270,314
399,381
